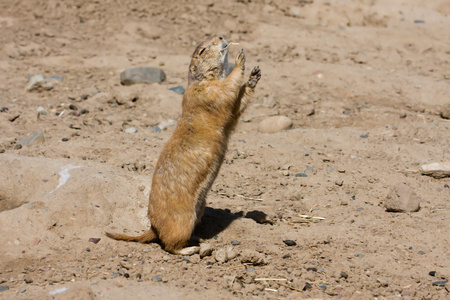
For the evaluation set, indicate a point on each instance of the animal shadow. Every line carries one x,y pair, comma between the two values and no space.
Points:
214,221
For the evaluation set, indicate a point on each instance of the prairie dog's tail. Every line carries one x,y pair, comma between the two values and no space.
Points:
147,237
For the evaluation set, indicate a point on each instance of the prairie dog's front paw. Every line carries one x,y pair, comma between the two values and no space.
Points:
240,60
255,76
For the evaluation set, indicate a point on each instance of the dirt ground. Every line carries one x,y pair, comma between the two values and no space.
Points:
366,84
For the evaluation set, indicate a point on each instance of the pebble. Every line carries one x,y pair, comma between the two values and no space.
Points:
38,83
364,136
142,75
440,283
130,130
231,254
73,107
205,250
167,124
445,112
178,89
290,242
402,198
339,182
301,175
436,170
311,269
28,279
34,138
94,240
41,111
156,278
432,273
235,243
220,255
275,124
253,257
3,288
4,109
359,255
344,275
307,286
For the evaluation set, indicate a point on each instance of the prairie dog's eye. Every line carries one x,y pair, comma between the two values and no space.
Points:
201,51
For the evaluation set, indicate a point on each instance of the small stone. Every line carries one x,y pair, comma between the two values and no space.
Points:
167,124
88,249
94,240
307,286
84,111
275,124
130,130
235,243
64,139
178,89
73,107
205,250
436,170
432,273
301,175
231,254
311,269
343,275
34,138
364,136
419,21
253,257
155,128
360,255
440,283
156,278
445,112
339,182
421,252
286,256
290,242
220,255
38,83
402,198
3,288
4,109
142,75
41,111
28,279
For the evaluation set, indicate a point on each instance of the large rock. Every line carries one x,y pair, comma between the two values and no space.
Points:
275,124
142,75
436,170
402,198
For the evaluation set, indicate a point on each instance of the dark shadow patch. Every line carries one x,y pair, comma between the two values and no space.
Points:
259,217
215,221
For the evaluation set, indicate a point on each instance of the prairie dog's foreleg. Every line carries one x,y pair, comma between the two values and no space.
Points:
248,89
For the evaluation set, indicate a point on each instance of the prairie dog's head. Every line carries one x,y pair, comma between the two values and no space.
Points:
209,61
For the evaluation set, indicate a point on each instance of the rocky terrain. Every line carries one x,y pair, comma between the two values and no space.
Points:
322,194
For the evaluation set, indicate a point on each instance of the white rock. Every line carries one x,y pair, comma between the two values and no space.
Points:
275,124
131,130
436,170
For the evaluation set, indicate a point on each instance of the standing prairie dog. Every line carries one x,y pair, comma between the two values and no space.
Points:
191,159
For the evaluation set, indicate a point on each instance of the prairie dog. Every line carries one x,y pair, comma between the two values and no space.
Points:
191,159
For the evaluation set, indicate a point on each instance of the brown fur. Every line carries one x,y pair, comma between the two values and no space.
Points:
191,159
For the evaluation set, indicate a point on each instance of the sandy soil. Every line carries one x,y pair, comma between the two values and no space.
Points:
364,82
